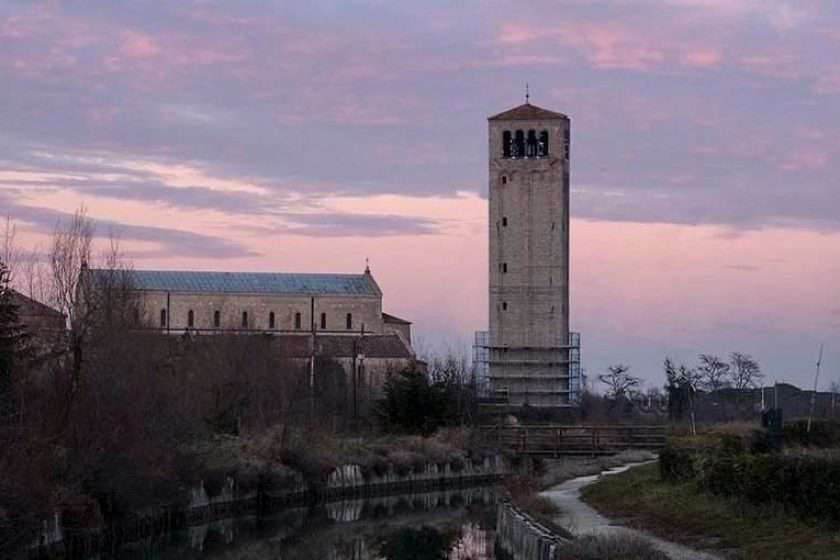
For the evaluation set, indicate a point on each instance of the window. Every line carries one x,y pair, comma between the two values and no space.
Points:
244,319
531,146
504,268
323,320
504,221
297,320
568,143
271,320
504,306
504,179
349,321
506,144
542,145
519,145
190,318
217,319
163,318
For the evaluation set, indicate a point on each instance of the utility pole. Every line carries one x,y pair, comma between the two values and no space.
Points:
814,395
312,362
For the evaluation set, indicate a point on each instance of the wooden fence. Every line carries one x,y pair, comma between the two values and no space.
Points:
574,440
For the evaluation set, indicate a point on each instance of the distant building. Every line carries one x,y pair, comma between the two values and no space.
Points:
334,316
531,357
47,326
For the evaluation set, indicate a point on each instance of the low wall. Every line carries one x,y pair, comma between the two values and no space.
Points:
349,480
346,481
523,538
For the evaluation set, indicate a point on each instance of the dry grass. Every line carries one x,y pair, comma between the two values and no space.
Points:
679,513
316,453
610,547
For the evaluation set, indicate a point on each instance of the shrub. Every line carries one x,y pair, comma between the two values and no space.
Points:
824,433
676,464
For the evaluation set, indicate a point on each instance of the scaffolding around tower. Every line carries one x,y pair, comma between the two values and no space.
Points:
565,377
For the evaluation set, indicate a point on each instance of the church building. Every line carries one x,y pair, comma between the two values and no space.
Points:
311,316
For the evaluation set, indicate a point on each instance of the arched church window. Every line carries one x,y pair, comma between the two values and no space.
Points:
323,320
190,318
244,319
271,320
542,146
349,321
504,179
217,319
297,320
531,147
163,318
504,221
504,306
506,144
519,144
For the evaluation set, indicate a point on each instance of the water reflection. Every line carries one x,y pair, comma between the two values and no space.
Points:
450,525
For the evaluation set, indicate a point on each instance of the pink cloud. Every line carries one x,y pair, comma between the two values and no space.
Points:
805,159
138,45
701,58
613,46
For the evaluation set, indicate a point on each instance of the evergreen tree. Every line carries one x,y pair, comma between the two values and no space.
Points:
12,346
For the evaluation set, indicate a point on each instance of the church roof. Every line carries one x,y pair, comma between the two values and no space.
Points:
393,319
249,282
527,112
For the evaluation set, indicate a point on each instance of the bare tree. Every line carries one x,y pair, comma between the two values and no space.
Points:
691,380
746,372
70,253
834,388
619,383
9,252
713,371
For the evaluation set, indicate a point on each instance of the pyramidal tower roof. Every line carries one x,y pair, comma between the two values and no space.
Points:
527,112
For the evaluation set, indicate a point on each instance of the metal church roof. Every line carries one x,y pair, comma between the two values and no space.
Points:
249,282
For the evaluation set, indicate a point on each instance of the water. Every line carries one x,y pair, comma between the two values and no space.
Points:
451,525
581,519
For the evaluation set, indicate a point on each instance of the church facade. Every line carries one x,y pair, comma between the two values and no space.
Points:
532,358
311,317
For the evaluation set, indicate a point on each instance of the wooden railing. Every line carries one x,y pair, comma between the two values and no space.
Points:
557,441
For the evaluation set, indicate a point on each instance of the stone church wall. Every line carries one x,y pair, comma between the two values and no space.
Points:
365,311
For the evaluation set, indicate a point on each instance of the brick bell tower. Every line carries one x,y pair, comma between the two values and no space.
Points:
532,358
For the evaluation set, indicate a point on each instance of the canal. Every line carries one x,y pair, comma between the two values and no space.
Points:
447,525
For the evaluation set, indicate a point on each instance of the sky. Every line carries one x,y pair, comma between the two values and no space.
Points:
310,136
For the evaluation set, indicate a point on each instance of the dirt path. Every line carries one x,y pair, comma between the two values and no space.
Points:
581,519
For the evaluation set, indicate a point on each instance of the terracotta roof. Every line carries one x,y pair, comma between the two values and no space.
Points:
393,319
527,112
344,346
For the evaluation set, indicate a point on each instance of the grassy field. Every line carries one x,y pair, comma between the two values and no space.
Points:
679,513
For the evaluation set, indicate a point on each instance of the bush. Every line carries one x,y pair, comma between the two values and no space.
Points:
676,464
824,433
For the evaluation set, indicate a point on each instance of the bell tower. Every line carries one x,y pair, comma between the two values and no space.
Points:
529,347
